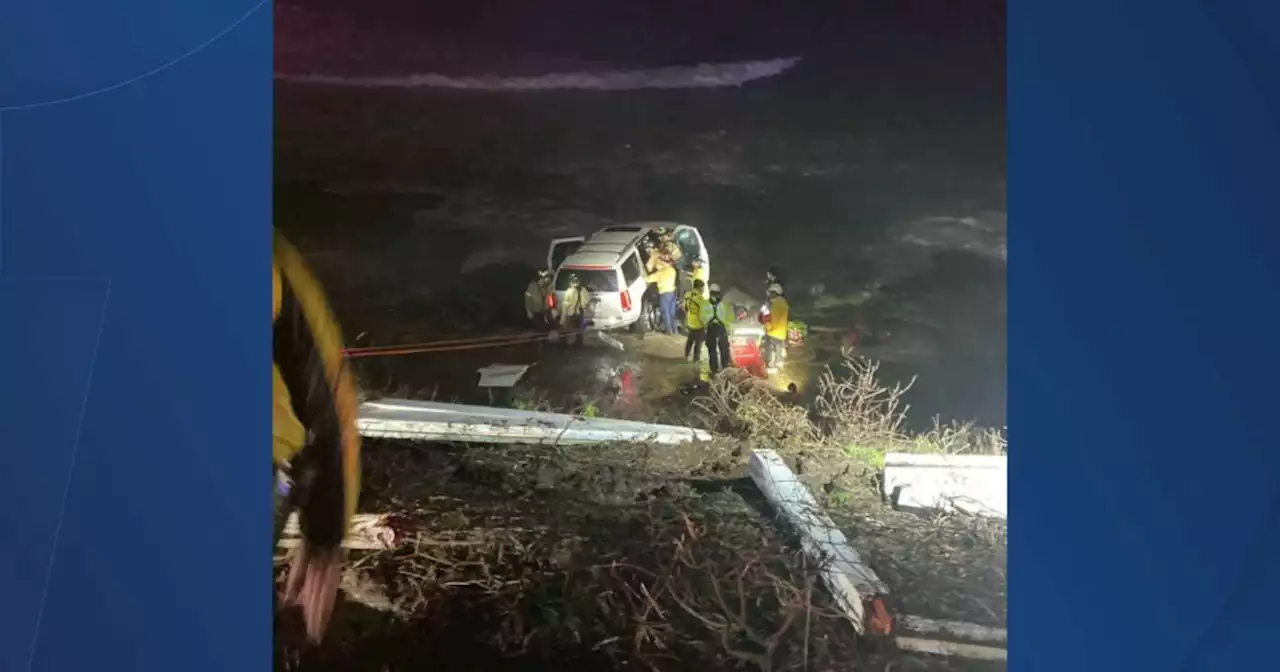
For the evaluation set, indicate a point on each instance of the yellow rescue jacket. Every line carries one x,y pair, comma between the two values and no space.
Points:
779,315
576,302
700,273
697,310
314,410
535,297
664,277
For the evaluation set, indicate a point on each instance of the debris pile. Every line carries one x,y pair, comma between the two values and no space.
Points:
657,557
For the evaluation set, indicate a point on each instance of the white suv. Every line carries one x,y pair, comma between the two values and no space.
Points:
611,265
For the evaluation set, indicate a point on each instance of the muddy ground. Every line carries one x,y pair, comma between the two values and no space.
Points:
616,557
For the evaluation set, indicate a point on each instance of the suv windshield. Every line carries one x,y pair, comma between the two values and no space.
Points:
593,280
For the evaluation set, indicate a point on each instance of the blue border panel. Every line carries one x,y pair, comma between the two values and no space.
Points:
48,365
1144,145
135,229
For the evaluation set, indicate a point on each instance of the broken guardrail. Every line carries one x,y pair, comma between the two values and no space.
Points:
858,592
433,421
977,484
979,642
852,583
974,483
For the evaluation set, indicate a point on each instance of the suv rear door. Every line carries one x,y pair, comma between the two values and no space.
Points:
633,278
603,284
560,249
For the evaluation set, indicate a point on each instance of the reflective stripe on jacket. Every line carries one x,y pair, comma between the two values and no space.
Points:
721,313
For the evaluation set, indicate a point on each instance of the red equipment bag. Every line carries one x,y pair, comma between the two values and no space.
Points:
745,346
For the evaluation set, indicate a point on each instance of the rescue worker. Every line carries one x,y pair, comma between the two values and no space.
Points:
719,322
659,235
699,272
664,278
696,311
573,314
537,301
671,249
315,442
652,256
775,341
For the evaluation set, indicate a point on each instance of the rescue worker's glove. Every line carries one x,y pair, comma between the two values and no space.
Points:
315,566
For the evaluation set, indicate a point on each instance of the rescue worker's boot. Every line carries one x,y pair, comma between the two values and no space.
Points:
719,353
773,354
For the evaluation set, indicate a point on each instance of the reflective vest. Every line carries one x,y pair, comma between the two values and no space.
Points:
696,310
721,313
576,301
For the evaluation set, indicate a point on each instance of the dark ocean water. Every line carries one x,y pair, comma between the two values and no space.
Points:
894,115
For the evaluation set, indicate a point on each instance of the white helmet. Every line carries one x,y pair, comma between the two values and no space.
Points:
714,288
775,288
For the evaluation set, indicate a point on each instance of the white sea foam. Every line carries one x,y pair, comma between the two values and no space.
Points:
706,75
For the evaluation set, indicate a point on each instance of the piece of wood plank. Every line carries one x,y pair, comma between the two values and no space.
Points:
851,582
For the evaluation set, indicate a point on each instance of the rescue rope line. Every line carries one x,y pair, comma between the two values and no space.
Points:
454,345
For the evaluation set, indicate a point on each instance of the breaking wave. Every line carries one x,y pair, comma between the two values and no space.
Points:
912,248
676,77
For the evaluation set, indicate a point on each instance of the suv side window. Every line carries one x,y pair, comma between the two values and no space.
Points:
631,270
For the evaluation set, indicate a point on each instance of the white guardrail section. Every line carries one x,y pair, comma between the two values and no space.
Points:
432,421
849,579
977,484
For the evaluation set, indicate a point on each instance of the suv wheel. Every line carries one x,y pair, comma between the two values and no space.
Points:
641,325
